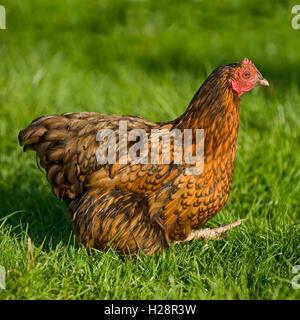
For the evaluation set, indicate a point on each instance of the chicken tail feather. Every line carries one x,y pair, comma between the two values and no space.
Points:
54,143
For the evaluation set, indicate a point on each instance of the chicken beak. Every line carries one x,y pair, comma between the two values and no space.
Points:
262,81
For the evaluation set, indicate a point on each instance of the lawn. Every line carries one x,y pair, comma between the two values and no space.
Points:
148,58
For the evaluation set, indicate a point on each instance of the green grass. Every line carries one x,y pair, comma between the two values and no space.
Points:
148,59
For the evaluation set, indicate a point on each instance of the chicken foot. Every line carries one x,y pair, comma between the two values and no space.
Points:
212,234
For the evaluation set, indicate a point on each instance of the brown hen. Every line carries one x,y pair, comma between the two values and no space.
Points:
144,205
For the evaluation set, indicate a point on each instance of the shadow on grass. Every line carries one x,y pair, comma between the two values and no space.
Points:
37,213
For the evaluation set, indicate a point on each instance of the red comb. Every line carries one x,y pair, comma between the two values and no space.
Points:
247,61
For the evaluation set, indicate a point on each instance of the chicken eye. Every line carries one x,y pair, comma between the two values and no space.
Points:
246,74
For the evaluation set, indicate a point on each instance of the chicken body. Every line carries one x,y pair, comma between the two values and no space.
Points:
133,206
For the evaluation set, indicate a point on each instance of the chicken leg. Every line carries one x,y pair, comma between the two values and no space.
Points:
212,234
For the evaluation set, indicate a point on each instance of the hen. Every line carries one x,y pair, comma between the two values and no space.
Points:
144,205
